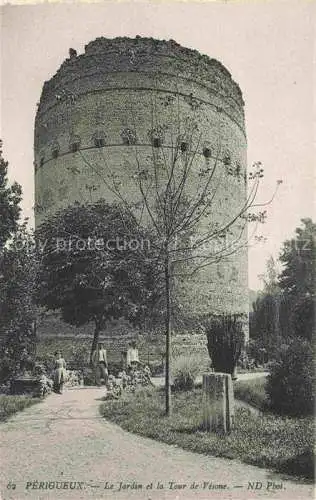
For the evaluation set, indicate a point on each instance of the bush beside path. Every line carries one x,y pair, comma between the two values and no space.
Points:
65,442
13,404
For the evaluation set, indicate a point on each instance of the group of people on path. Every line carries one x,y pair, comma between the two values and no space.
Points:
99,363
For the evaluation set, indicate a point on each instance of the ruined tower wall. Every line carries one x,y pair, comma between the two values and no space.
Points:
117,92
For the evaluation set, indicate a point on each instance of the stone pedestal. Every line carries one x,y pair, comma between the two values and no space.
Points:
218,402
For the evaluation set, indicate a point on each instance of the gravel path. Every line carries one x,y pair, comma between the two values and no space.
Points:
63,442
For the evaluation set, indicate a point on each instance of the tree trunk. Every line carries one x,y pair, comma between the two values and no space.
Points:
168,336
95,339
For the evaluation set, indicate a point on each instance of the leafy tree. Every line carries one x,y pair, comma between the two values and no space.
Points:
265,319
286,307
17,276
297,279
303,317
10,198
298,255
178,193
270,278
18,271
97,265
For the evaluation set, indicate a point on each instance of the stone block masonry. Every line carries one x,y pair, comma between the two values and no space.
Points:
117,98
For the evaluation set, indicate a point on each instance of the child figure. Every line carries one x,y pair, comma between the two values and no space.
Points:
113,390
147,375
45,384
124,378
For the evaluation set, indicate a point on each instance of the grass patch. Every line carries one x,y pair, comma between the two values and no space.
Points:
252,392
13,404
265,441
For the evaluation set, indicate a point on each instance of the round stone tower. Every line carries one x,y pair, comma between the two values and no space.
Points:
125,92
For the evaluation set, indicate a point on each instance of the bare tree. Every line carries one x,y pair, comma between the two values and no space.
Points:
176,189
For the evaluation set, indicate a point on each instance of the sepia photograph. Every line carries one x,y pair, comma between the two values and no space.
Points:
157,250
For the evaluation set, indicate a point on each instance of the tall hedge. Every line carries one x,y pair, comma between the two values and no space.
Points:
225,340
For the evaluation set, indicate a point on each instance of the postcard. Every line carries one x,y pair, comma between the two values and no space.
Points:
157,250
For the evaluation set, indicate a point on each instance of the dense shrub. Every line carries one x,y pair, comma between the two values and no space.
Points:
79,358
303,317
114,368
88,376
256,352
225,339
7,367
253,392
156,368
10,364
290,383
47,361
185,370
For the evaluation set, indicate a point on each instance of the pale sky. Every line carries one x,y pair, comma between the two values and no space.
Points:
269,48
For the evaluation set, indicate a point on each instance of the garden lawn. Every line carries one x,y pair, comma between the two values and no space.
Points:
266,441
12,404
253,392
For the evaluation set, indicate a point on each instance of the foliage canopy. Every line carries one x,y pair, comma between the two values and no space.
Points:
97,265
